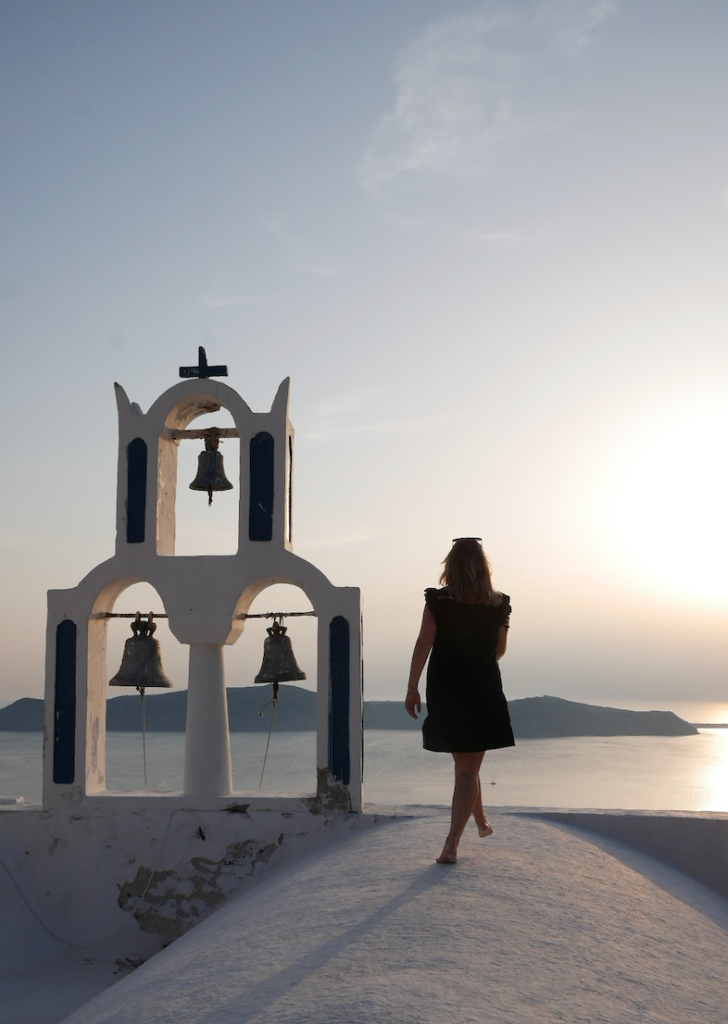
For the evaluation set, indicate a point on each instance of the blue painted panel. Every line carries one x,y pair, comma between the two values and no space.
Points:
260,512
64,705
339,644
136,490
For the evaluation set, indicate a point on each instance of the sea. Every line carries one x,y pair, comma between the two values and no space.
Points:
657,773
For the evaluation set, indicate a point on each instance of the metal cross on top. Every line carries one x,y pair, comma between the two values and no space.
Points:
203,370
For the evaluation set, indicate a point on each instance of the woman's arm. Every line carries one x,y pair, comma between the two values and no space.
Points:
423,646
502,644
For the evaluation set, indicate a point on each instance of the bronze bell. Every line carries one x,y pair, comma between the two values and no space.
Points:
141,663
279,662
210,469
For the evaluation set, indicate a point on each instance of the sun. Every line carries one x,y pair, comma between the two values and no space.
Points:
665,510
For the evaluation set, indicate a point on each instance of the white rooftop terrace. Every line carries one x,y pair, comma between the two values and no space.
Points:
553,918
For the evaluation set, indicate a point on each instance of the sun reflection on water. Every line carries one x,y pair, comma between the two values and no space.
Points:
714,784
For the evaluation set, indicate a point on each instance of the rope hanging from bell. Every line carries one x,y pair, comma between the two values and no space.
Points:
274,702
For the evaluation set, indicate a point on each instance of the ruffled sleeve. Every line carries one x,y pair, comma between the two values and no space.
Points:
432,599
504,608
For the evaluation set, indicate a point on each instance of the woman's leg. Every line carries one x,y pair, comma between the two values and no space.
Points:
464,797
481,819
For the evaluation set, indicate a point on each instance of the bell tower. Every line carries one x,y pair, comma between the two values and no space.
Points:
206,599
148,444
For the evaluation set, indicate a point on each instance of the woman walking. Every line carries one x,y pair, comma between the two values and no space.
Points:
464,625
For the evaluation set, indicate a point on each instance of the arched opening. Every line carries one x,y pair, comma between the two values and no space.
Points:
290,766
203,528
163,710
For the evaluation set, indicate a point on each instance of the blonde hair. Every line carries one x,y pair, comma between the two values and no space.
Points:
467,573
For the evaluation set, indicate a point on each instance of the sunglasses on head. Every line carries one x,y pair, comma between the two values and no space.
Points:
456,540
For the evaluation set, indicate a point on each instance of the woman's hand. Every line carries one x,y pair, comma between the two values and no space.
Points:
413,703
420,654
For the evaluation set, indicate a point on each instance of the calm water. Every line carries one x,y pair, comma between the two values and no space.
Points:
637,772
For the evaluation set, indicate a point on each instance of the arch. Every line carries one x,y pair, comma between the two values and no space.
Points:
291,764
287,568
197,397
103,660
338,672
203,528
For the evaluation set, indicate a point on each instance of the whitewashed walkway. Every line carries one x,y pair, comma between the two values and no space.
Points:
535,924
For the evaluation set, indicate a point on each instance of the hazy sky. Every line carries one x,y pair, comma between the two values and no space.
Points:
487,241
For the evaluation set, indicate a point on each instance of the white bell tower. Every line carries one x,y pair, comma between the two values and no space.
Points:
205,598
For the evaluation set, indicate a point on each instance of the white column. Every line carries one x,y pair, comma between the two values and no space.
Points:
208,771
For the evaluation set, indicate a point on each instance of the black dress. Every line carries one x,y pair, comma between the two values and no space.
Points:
466,708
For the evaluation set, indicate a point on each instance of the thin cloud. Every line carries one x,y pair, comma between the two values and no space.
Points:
345,415
331,431
571,23
342,540
349,402
300,253
460,87
466,234
223,301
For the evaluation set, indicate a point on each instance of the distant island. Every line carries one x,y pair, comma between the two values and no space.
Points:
532,717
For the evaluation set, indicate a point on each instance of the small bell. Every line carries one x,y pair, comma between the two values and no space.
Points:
141,663
279,662
210,468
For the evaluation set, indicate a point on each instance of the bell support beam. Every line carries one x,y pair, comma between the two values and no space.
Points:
170,434
208,769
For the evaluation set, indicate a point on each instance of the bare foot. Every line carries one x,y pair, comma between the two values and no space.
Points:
485,828
449,853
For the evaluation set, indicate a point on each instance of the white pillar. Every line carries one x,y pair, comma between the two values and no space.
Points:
208,771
